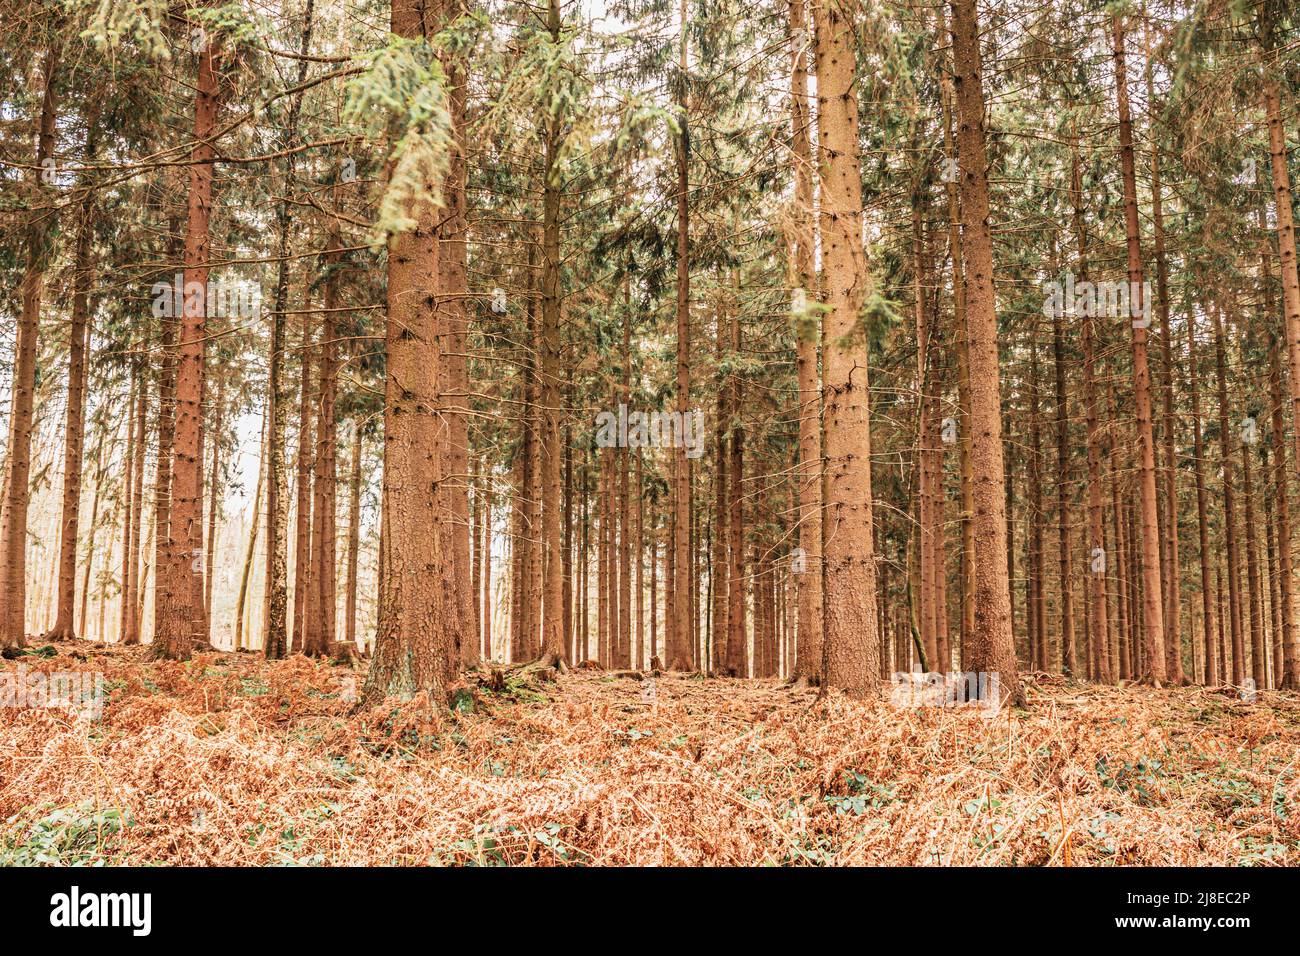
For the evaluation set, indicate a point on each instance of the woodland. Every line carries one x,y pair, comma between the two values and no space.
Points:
609,432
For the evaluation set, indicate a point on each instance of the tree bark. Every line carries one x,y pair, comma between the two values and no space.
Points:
177,621
1152,593
992,648
418,634
18,461
851,649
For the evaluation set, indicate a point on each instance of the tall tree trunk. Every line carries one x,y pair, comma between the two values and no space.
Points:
961,340
554,640
808,575
1258,657
992,648
303,637
1229,503
737,634
130,521
1098,611
679,646
1039,653
718,560
624,512
1169,517
1069,655
1152,594
927,620
74,422
1286,243
325,480
214,511
91,550
18,461
454,288
638,537
851,650
354,536
179,572
418,634
255,519
1282,498
1202,524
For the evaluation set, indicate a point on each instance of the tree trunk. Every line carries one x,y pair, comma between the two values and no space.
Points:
179,569
1229,503
74,422
679,645
1202,525
808,571
992,648
321,628
554,640
276,640
1098,610
718,560
453,265
737,635
418,634
18,462
851,650
255,519
1286,244
1282,503
304,638
1152,611
354,536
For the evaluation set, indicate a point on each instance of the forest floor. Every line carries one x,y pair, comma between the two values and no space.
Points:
230,759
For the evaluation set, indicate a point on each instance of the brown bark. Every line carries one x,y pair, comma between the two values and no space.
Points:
851,650
74,420
554,641
322,580
1098,558
737,632
1211,673
808,574
354,536
961,347
237,641
718,559
1069,655
1229,503
177,620
1154,660
1039,654
1258,656
453,266
18,460
303,638
1169,473
214,511
992,649
1282,505
1286,243
418,635
679,657
638,538
130,519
